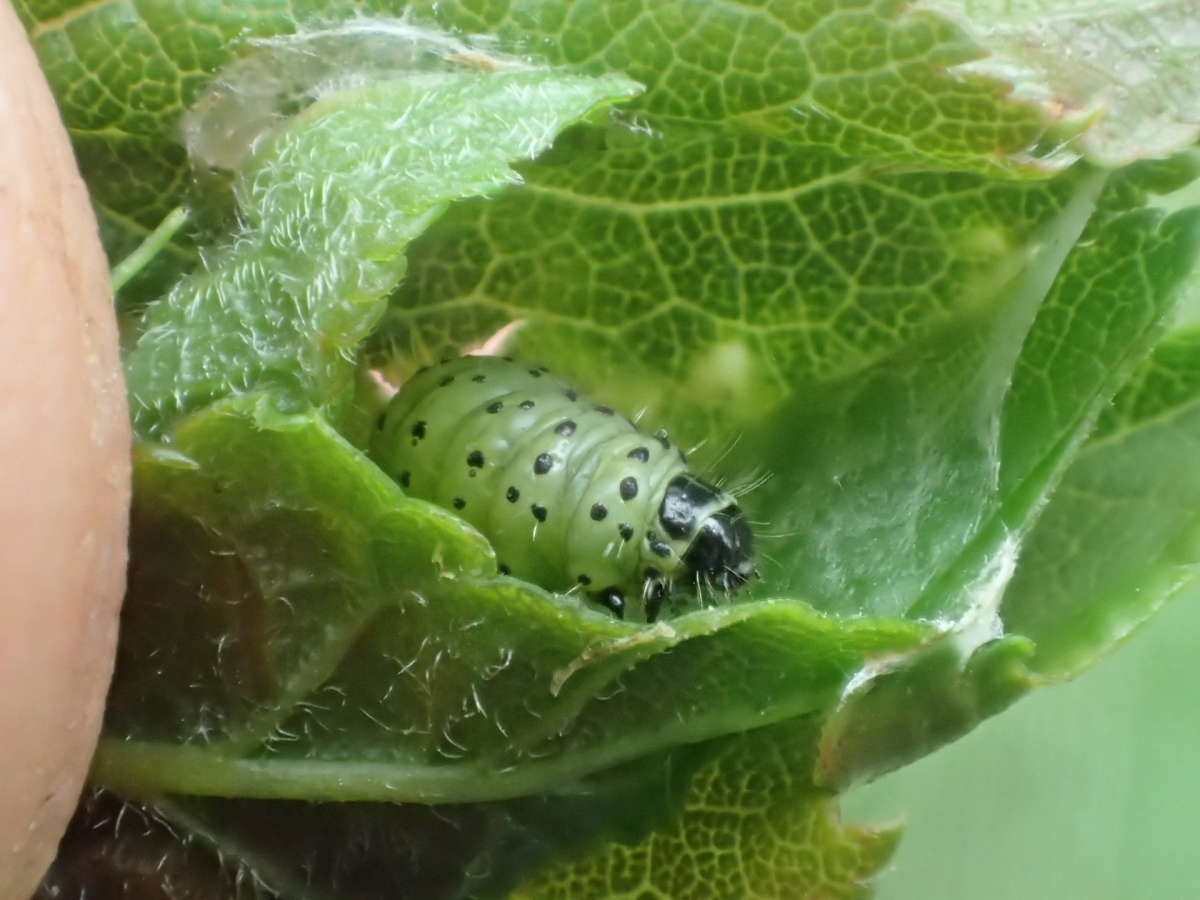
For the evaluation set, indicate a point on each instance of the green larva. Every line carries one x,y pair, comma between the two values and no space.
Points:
570,494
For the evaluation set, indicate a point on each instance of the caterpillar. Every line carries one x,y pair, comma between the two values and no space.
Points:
569,493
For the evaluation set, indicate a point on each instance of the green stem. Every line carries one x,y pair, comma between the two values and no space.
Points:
149,248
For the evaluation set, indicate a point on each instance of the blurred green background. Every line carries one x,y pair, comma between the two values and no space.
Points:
1085,790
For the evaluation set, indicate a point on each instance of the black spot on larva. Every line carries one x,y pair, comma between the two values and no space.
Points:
612,599
536,373
507,358
570,395
651,574
512,494
495,406
626,531
445,381
641,454
475,459
654,600
382,419
584,580
663,438
543,464
503,569
405,478
526,404
566,428
479,379
459,502
539,512
628,488
604,410
599,511
657,547
418,430
422,370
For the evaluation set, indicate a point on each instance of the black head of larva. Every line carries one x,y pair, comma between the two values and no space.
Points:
721,552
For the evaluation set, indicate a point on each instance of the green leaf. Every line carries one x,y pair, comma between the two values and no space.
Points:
778,266
385,849
903,713
289,299
935,462
868,82
1122,534
752,826
400,667
865,80
739,812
